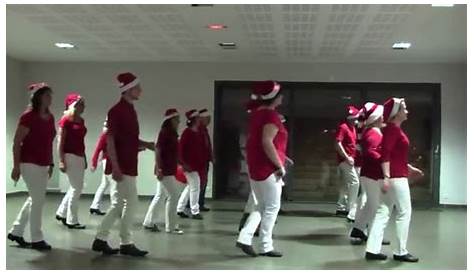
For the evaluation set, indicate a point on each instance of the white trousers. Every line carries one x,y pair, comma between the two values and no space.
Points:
36,180
170,189
70,204
124,203
397,196
104,184
268,195
371,190
348,189
251,204
190,193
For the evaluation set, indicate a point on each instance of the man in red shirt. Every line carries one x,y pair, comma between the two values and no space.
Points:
205,118
123,144
345,145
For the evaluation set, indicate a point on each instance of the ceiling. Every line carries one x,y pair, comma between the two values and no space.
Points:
263,33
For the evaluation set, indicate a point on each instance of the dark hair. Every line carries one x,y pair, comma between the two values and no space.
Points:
35,99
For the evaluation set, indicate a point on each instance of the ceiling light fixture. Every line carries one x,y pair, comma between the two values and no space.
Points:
442,5
216,26
228,45
401,45
63,45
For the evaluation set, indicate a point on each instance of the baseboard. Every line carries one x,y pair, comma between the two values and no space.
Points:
453,206
16,193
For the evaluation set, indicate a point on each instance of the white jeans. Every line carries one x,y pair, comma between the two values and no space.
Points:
348,190
251,204
371,190
267,194
190,193
170,188
105,183
36,180
398,195
124,202
75,172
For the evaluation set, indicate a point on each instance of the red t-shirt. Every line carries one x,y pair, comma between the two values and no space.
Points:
37,146
75,133
190,150
395,146
371,147
101,147
347,136
167,146
260,166
122,124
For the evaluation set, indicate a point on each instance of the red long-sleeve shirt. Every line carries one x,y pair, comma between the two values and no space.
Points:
101,147
395,145
371,148
190,150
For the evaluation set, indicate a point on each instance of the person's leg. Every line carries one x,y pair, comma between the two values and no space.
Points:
271,194
114,212
183,200
171,187
105,182
352,183
341,205
377,228
402,199
151,217
128,188
202,195
247,232
36,180
366,213
194,182
75,172
62,209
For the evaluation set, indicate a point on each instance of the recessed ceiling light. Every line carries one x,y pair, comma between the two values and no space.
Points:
216,26
228,45
442,5
63,45
401,45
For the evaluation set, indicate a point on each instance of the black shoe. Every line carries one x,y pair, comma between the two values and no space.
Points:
385,242
342,213
205,209
406,258
357,233
349,220
96,212
282,212
243,220
132,250
63,220
103,246
182,215
153,228
247,249
41,245
273,253
372,256
197,217
19,240
76,226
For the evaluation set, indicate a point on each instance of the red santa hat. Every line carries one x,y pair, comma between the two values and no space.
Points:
33,88
71,100
372,112
170,113
191,114
127,81
352,112
265,90
204,113
391,107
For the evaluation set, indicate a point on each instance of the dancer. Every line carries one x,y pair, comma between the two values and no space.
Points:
371,172
123,144
166,155
72,159
266,153
192,160
346,151
33,161
395,187
101,151
205,120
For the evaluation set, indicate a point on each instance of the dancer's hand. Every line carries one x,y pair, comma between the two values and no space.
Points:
280,173
62,166
386,185
16,174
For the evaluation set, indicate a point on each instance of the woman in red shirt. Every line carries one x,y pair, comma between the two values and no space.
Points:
395,188
72,159
193,162
166,156
101,150
33,160
266,154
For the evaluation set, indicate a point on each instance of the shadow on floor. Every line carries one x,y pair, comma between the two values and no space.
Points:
360,264
329,237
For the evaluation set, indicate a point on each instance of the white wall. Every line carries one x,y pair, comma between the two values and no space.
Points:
186,85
